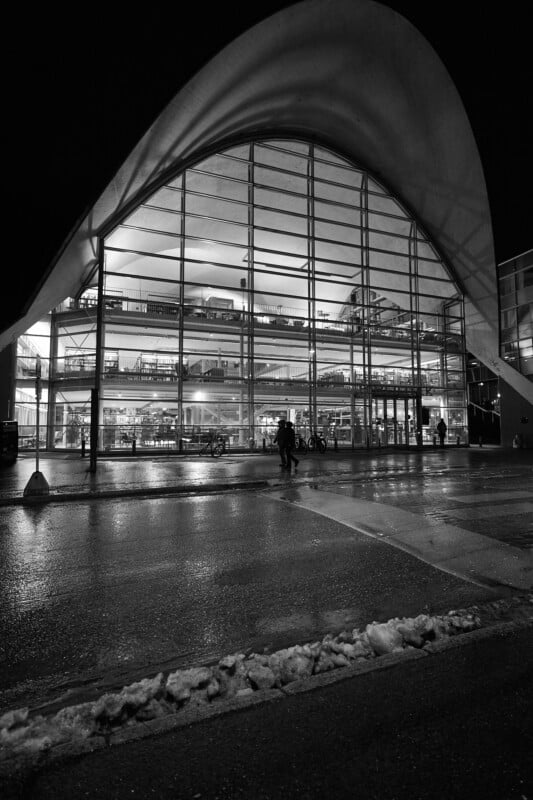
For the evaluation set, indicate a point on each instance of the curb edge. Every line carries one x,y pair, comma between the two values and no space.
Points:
200,713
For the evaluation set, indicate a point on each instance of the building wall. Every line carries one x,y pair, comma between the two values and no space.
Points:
516,417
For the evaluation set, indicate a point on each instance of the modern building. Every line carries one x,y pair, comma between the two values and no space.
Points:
304,233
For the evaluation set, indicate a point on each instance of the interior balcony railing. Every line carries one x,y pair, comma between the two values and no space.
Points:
166,369
222,311
27,368
75,367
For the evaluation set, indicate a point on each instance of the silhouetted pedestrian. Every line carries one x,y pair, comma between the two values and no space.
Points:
441,430
290,446
281,440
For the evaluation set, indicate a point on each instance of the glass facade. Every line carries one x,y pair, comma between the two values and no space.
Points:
516,312
273,279
484,403
33,349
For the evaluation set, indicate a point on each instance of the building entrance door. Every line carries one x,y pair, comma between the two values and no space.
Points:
393,421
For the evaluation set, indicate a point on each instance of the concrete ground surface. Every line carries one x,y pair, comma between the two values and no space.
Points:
176,561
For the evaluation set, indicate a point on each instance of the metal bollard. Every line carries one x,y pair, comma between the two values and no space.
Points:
83,448
335,444
264,445
134,446
434,441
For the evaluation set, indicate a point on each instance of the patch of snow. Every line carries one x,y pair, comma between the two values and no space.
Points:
235,675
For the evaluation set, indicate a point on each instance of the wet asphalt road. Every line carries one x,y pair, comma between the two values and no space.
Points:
95,591
93,588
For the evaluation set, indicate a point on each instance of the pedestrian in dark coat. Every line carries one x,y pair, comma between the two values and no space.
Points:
441,430
281,440
290,446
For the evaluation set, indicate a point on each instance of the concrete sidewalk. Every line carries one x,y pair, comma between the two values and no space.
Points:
68,475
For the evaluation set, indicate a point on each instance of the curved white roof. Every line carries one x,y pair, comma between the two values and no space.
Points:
351,74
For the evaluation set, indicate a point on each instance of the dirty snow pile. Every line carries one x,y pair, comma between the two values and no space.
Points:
234,676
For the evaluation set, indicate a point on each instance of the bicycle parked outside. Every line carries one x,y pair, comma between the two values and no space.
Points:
214,447
317,442
301,444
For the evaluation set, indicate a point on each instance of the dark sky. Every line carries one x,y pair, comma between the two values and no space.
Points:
83,90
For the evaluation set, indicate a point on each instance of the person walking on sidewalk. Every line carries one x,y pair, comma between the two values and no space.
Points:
441,430
290,446
281,440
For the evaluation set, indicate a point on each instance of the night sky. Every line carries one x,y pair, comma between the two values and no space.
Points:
82,91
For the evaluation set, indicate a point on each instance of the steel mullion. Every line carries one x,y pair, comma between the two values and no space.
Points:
181,320
365,297
250,293
311,321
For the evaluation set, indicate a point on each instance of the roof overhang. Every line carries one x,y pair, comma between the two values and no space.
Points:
351,74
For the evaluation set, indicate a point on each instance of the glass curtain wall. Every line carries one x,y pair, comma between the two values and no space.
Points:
516,313
272,280
33,359
276,280
64,343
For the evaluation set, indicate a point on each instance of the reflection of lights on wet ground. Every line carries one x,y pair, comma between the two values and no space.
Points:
315,543
32,546
124,648
200,569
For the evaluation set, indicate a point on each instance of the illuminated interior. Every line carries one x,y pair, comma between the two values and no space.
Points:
272,280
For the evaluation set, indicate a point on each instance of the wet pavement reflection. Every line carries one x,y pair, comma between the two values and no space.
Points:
70,473
92,590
